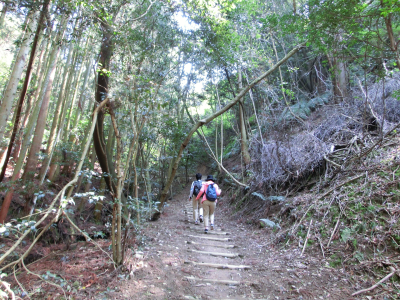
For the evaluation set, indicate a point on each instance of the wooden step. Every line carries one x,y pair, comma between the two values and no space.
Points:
229,282
201,229
210,245
230,255
218,266
207,237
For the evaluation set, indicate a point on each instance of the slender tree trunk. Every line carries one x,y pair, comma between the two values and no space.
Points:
11,89
81,102
32,159
99,204
3,14
69,193
340,72
75,90
51,142
106,50
109,151
243,132
31,104
20,103
392,39
32,121
147,179
54,169
136,191
42,116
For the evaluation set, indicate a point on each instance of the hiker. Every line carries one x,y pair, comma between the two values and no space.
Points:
210,192
197,207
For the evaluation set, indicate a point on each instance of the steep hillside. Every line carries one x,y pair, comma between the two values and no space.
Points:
330,185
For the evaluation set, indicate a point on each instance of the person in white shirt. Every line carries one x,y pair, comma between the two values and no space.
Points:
197,206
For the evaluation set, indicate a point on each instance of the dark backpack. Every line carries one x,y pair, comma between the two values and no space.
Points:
211,193
197,187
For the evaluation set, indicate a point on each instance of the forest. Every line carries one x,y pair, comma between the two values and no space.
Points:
110,107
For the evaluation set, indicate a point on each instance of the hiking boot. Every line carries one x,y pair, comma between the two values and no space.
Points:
201,219
212,226
206,230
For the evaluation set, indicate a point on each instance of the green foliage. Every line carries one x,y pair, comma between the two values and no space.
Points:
335,261
232,148
303,109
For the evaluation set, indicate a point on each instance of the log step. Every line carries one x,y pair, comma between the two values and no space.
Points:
229,282
210,245
206,237
201,229
230,255
218,266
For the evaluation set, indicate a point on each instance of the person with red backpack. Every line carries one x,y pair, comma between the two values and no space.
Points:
210,192
197,207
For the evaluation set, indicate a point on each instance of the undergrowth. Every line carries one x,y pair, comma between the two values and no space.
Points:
349,216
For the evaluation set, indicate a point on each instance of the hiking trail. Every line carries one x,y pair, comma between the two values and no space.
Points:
233,261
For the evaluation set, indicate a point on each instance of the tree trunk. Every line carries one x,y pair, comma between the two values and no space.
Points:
32,159
11,89
3,14
109,151
136,191
106,50
392,39
147,180
99,204
33,117
75,90
81,101
340,72
54,169
51,142
242,126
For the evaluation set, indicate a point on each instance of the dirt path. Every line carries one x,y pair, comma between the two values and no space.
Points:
178,261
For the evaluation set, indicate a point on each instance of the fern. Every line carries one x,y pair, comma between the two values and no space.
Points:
303,108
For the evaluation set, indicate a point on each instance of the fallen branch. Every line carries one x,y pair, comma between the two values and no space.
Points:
332,162
308,235
322,247
374,145
333,232
376,284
